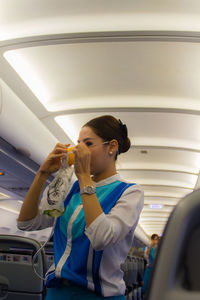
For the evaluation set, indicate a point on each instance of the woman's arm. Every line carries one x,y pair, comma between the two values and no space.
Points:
29,208
52,163
109,229
91,205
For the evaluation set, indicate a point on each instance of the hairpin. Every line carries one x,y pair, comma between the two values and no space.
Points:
123,129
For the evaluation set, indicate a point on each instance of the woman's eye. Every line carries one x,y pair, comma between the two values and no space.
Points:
88,144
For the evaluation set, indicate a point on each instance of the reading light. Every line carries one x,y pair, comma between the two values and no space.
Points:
156,206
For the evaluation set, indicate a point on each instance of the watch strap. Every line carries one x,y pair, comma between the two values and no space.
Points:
89,189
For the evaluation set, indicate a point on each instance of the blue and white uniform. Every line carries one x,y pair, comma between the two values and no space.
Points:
91,257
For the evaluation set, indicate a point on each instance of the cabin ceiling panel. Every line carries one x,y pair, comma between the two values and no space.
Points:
160,223
146,128
153,229
149,219
159,191
22,18
157,213
160,177
160,200
139,157
76,76
68,7
165,208
152,223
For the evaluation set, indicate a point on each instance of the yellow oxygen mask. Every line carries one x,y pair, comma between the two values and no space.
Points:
70,156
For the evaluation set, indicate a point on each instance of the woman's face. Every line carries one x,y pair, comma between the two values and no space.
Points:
155,241
100,157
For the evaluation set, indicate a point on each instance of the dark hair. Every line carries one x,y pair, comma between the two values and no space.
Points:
108,128
154,236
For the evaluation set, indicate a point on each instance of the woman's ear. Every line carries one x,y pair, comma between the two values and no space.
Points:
113,147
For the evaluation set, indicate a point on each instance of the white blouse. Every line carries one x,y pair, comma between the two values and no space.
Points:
113,233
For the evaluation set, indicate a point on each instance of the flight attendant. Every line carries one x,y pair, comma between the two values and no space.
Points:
93,236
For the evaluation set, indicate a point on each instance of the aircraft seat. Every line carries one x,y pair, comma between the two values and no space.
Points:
176,270
49,251
18,280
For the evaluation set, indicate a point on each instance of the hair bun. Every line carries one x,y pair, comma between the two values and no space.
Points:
124,129
125,145
125,142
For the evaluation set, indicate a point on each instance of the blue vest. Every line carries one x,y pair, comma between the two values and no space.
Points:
75,267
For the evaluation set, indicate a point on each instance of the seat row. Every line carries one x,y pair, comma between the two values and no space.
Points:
133,269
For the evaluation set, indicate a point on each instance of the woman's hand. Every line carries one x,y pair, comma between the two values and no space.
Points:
53,161
82,160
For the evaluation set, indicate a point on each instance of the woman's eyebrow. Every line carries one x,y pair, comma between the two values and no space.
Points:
86,139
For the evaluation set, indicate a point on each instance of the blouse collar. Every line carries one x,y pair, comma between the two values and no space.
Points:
107,180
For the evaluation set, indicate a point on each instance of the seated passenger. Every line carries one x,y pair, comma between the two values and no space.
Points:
93,236
150,255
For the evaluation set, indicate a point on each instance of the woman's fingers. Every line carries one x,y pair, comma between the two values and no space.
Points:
60,148
56,155
82,153
81,148
82,159
53,161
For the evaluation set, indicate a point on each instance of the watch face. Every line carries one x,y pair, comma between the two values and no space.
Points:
88,190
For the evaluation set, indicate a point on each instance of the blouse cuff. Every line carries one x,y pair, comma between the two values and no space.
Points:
27,225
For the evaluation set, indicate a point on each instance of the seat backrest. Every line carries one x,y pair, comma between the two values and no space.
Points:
124,268
129,271
49,251
176,270
141,266
134,270
16,268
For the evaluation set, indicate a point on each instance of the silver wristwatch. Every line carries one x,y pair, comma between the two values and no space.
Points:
88,190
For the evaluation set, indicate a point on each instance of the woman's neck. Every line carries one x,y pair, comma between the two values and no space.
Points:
104,175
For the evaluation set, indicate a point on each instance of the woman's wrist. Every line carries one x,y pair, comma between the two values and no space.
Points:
43,174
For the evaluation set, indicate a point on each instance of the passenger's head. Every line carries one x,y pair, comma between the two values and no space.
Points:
154,239
105,137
